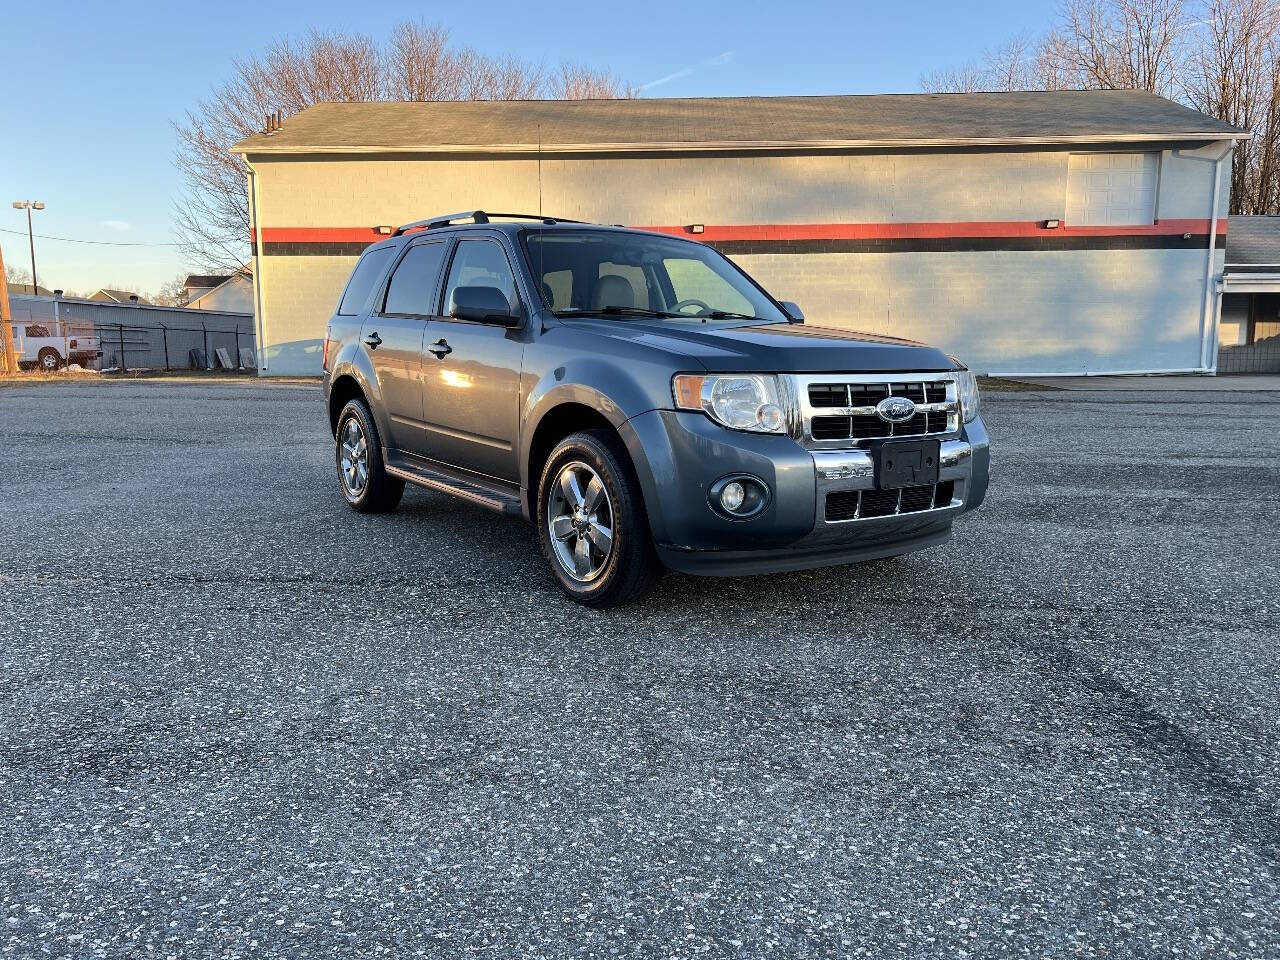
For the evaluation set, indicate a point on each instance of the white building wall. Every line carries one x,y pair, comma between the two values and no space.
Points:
1008,311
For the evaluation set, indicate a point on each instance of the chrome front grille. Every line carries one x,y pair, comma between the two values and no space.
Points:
839,410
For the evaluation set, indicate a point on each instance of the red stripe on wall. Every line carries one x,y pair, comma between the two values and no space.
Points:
930,231
812,231
318,235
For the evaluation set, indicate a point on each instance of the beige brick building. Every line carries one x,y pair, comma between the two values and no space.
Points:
1061,232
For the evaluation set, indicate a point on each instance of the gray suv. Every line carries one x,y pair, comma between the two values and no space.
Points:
643,401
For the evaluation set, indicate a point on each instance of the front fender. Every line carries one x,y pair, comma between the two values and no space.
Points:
601,385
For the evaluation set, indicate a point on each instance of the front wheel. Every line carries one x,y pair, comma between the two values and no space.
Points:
366,485
592,524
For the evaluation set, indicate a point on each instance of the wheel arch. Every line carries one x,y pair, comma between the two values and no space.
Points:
344,388
556,423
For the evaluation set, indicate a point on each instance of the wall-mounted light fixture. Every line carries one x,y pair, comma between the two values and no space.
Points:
384,230
1052,224
697,228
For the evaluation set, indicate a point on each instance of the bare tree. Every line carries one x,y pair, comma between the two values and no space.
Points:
576,82
173,293
1014,65
1234,75
1119,44
16,274
417,62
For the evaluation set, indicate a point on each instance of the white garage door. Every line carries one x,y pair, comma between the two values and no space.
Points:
1111,189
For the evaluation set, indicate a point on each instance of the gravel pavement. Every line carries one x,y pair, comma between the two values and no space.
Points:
239,720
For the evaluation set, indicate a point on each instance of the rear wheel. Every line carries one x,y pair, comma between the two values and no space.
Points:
592,525
366,485
49,360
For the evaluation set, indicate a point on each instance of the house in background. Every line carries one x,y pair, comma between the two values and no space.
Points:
105,295
24,290
1249,337
231,292
198,284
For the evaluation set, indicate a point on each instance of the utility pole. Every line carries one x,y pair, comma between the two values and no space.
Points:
30,205
7,342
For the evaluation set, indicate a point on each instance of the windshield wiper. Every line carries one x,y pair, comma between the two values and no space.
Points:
639,312
624,312
730,315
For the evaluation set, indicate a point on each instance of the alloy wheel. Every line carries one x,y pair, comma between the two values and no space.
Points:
355,457
580,520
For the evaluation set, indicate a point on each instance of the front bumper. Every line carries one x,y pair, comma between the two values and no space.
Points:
680,455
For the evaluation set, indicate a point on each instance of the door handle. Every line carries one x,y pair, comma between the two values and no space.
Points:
440,349
373,341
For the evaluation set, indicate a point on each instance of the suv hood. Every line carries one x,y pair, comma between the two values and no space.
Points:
776,347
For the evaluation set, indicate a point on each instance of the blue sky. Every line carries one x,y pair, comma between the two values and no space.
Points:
90,89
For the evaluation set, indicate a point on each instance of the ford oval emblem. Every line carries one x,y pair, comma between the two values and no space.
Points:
896,409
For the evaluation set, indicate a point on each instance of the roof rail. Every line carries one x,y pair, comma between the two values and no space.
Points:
475,216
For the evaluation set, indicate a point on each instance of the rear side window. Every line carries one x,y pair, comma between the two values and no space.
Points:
37,330
413,285
365,275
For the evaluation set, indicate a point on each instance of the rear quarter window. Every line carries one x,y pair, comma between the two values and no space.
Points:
363,278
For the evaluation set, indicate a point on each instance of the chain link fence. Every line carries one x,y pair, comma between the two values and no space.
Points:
50,334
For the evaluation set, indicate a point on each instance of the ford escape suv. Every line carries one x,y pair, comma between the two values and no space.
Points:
643,401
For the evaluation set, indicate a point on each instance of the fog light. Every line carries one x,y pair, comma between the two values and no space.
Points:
739,497
732,495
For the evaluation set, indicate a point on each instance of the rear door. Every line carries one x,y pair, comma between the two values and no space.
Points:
392,335
471,371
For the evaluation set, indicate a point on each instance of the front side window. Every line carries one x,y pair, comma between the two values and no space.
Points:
413,285
479,263
363,278
637,274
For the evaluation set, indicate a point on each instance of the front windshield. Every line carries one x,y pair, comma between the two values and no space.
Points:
630,275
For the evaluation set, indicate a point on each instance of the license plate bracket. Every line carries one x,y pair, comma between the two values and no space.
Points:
905,463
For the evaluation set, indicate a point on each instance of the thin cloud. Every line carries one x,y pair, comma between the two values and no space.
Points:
118,225
719,60
678,75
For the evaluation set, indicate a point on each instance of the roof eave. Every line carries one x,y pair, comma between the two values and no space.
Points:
246,147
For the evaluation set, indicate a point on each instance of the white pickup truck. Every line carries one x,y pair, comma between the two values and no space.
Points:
37,347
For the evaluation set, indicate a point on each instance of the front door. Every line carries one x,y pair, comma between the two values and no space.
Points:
471,372
393,336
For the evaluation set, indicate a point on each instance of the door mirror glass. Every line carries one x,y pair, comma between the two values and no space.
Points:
483,305
793,311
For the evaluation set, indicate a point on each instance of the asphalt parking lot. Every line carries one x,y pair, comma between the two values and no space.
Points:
237,719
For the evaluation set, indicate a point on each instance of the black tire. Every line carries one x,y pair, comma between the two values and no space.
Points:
631,568
49,359
379,492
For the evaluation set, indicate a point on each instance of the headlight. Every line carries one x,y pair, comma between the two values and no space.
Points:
967,390
739,401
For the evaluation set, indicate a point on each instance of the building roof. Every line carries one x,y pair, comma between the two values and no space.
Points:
115,296
25,290
921,119
1253,243
205,280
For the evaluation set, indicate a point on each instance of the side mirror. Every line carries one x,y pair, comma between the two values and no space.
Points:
794,312
484,305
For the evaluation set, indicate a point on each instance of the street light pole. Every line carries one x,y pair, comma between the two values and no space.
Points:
30,205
